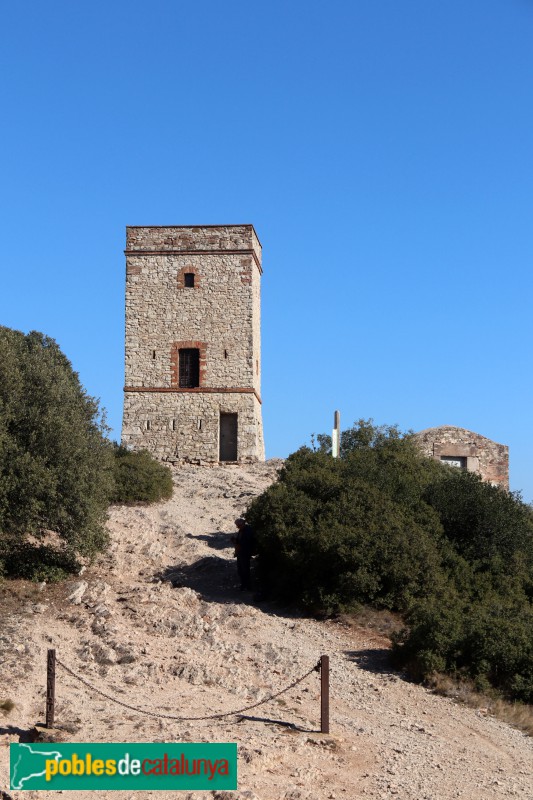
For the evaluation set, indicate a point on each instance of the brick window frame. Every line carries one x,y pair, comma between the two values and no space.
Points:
181,278
175,362
189,364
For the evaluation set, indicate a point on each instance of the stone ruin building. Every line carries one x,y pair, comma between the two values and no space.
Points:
466,450
193,352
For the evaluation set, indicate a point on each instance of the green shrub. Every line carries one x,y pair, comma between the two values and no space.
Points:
383,525
483,627
38,563
55,462
329,540
485,523
139,478
488,639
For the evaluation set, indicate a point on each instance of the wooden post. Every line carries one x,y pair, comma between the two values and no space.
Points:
50,688
336,437
324,694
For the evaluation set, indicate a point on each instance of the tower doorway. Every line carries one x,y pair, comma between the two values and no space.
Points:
228,437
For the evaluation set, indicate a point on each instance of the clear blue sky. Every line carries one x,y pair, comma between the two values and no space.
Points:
383,151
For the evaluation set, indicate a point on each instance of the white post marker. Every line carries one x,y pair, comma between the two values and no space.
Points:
336,436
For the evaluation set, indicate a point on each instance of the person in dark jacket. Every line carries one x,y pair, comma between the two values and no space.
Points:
244,548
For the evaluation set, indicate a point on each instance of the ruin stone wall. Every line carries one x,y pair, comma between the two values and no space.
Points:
484,456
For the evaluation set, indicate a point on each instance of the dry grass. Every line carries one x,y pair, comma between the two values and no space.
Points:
519,715
384,623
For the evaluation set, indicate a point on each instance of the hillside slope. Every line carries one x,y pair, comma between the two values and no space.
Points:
158,623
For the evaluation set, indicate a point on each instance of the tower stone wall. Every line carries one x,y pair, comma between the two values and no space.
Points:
196,289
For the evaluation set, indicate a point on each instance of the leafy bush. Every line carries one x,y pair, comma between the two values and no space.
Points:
483,626
55,463
39,562
58,471
488,638
328,538
139,478
484,522
385,526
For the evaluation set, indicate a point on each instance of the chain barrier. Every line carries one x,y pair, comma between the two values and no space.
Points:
316,668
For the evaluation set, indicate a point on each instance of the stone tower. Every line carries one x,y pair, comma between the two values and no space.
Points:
193,352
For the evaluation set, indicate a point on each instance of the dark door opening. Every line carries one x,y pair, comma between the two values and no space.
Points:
189,374
228,437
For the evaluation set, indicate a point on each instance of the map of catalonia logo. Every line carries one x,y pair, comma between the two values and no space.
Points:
123,766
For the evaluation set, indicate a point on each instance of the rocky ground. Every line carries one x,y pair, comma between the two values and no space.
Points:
159,624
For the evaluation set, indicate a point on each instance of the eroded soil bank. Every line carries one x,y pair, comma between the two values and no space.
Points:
158,623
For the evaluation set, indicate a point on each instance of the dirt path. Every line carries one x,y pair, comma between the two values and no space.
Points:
191,644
